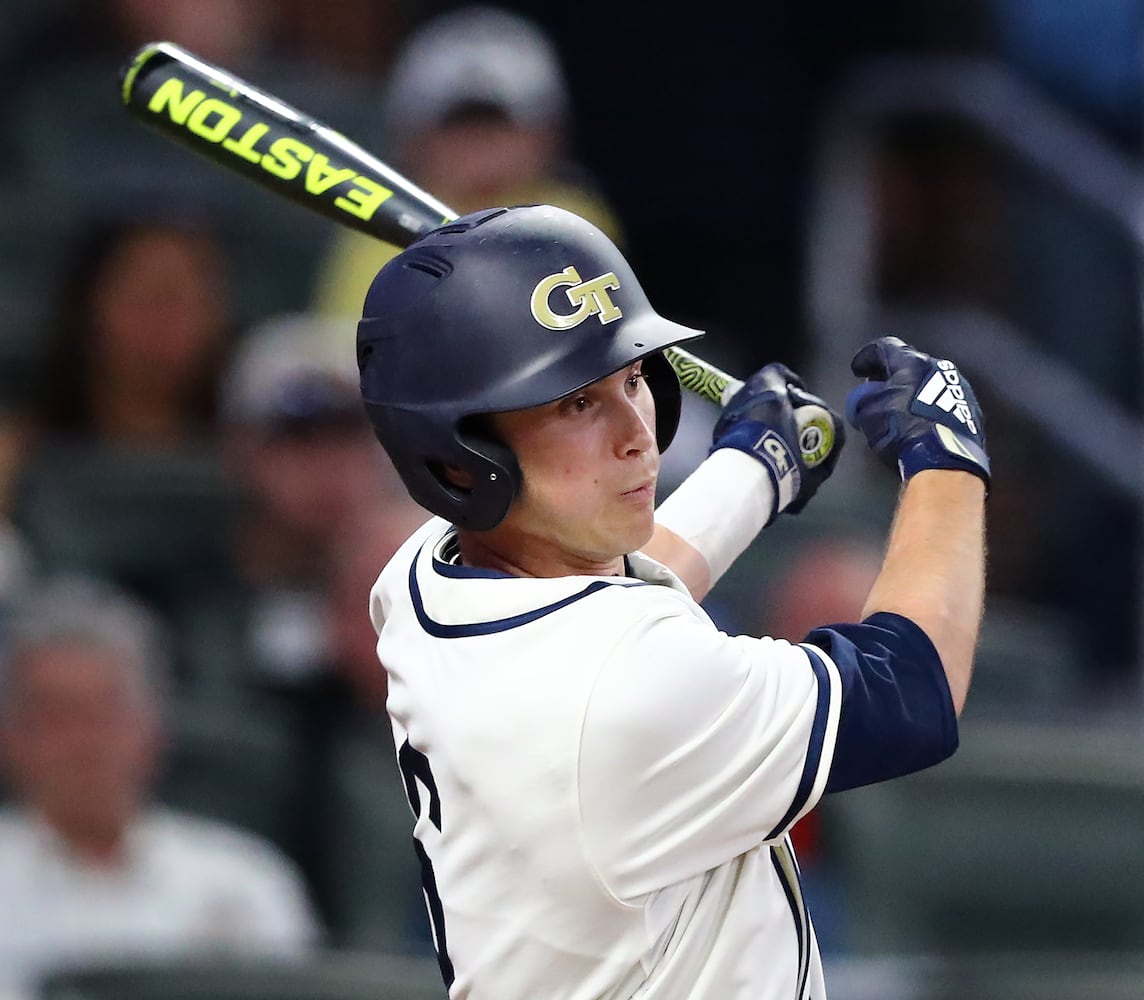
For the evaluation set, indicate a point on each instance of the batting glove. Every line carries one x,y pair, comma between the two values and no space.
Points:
917,412
794,434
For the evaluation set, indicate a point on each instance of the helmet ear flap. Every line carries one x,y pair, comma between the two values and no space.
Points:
664,385
496,480
491,467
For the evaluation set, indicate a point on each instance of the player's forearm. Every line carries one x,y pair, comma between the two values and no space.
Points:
934,569
711,518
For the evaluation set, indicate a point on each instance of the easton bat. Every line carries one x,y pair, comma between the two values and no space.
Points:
253,133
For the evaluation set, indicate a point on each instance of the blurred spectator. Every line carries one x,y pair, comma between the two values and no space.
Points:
67,33
15,556
286,629
826,581
243,35
114,460
66,67
354,36
358,559
227,32
300,452
73,147
143,323
356,837
89,869
476,113
131,355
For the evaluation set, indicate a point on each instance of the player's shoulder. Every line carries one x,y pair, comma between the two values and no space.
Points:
391,582
673,661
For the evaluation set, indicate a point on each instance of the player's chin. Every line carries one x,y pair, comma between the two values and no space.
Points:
639,525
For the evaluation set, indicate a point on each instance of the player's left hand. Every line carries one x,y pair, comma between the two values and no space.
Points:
917,412
792,432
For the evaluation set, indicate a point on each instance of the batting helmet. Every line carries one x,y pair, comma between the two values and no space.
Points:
501,310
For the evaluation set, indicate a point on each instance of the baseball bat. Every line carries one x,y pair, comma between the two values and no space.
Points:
253,133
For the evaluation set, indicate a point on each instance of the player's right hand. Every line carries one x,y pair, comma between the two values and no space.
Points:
917,412
793,433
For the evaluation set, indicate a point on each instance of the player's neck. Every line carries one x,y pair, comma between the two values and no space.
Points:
531,557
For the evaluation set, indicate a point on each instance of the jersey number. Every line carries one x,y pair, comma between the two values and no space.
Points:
415,770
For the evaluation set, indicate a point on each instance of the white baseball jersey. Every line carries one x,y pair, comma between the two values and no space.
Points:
603,782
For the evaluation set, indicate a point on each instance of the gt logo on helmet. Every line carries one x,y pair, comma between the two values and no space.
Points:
589,297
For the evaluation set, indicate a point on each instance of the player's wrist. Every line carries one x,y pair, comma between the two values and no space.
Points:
960,481
955,453
769,451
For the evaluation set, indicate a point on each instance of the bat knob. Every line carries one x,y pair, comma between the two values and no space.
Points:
815,433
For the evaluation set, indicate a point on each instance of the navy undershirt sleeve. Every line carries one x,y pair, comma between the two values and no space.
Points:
897,712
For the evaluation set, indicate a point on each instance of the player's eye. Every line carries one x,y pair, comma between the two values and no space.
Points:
635,377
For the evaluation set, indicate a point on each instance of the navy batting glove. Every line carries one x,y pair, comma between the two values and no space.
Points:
793,433
917,412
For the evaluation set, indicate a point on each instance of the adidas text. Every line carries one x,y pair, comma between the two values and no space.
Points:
944,389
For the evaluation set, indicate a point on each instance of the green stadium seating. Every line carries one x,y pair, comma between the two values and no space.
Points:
330,976
1030,839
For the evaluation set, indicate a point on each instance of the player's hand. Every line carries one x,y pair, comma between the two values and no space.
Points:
917,412
793,433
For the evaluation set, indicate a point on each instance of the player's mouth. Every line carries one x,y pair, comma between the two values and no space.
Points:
644,491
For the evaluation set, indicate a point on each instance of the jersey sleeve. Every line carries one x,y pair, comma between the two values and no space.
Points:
697,747
897,712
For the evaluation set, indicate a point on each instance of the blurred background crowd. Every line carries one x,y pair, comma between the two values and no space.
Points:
195,757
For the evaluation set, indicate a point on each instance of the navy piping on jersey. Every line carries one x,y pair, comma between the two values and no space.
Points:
799,915
442,631
814,745
458,572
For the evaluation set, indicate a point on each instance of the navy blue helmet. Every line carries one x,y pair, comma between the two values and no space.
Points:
503,309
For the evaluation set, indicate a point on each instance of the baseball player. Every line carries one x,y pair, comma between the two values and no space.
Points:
603,783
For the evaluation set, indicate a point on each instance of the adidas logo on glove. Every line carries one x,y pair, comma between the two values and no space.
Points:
917,412
944,390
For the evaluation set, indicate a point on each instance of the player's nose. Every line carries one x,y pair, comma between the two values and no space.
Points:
636,430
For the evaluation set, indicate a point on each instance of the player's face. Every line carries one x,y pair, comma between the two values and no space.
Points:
589,464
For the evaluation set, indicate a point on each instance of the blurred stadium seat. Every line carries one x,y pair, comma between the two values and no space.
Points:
75,116
30,243
330,976
150,521
1027,840
1064,976
369,866
1029,661
231,764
